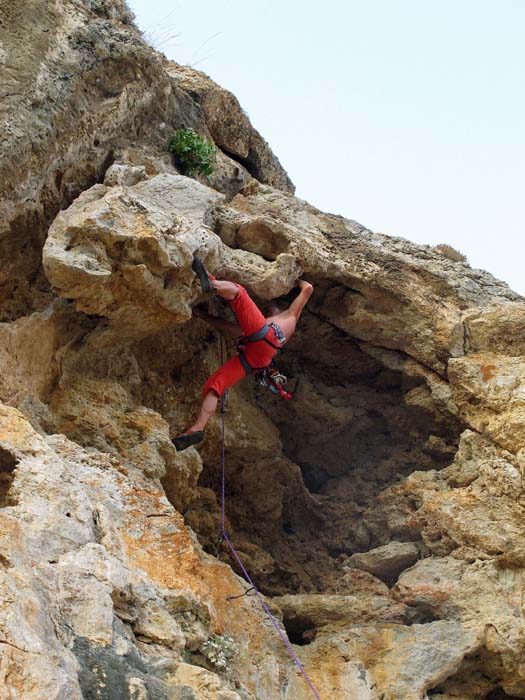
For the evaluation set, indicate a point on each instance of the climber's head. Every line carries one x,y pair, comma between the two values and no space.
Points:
271,309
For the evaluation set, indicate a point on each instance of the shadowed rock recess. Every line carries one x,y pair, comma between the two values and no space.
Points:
381,512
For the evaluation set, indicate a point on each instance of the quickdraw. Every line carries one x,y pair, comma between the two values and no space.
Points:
272,379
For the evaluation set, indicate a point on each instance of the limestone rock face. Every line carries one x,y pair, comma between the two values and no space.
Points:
381,512
100,573
80,89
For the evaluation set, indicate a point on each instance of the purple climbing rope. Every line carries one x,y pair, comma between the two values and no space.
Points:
225,537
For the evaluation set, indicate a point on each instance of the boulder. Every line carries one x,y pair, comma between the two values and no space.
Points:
386,562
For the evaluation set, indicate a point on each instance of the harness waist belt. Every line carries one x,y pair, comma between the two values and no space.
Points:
258,335
262,333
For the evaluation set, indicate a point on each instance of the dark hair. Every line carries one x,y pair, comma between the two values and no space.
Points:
271,309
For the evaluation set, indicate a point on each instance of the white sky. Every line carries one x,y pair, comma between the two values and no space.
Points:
406,115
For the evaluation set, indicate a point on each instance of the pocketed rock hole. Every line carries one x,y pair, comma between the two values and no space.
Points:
8,463
299,632
477,677
354,428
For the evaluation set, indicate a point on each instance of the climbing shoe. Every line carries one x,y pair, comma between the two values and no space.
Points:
188,439
199,269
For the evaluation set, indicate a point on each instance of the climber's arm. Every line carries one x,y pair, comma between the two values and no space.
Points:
232,328
298,304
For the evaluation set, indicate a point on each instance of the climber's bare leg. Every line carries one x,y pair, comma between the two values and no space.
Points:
208,408
226,290
195,434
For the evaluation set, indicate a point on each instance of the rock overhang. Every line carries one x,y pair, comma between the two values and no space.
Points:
399,342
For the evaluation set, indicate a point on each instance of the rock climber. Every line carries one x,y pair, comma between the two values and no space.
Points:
259,340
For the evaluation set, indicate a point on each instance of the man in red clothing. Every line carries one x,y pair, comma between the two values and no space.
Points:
263,338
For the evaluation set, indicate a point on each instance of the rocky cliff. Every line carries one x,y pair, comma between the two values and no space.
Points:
381,512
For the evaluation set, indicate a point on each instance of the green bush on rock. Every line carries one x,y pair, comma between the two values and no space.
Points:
193,153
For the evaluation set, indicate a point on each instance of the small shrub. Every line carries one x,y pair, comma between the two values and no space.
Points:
220,650
193,153
451,253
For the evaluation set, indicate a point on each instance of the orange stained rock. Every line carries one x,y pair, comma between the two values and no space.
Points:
487,372
165,550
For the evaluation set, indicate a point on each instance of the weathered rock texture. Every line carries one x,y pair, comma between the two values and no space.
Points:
382,511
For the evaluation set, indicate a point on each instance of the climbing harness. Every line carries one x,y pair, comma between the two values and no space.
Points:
261,335
253,590
269,376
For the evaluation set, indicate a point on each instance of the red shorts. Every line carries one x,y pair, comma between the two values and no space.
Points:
258,354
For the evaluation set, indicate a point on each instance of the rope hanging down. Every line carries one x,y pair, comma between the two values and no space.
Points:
224,536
